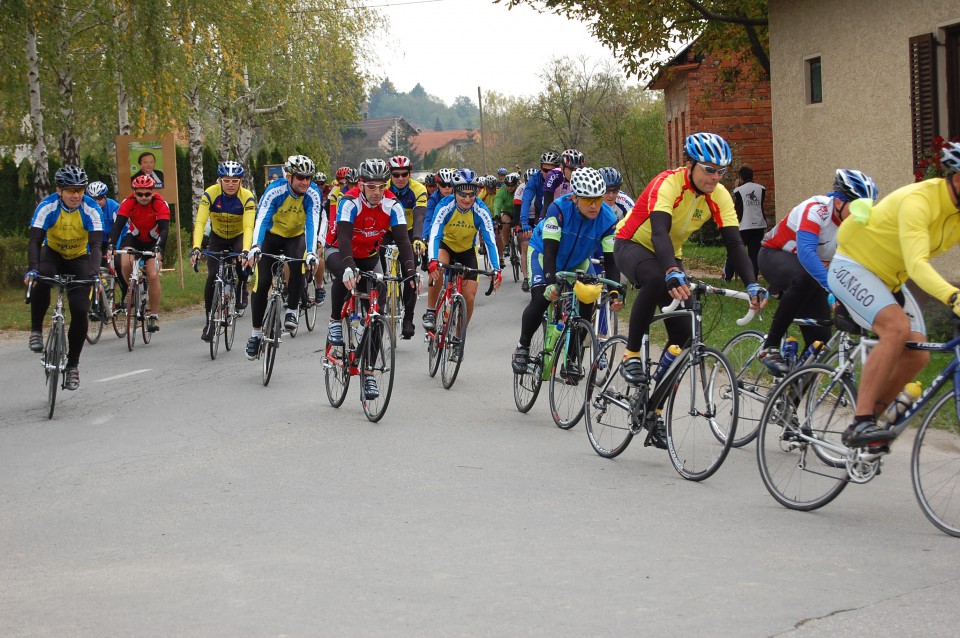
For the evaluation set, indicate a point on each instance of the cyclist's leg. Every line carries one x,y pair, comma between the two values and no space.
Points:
79,299
433,292
409,301
216,243
40,295
641,269
295,247
533,313
338,292
264,276
785,272
752,239
470,284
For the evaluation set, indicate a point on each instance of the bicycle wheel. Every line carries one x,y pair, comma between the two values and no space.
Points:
935,465
526,386
229,319
53,356
514,258
454,342
143,313
807,407
307,305
609,401
119,314
435,338
754,383
271,336
377,362
336,374
703,401
133,308
215,319
574,350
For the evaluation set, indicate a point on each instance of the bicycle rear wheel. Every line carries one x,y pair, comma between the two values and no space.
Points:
378,363
754,383
119,314
271,336
53,358
143,314
609,401
215,319
807,407
436,337
703,401
307,304
935,465
574,350
133,308
454,342
526,386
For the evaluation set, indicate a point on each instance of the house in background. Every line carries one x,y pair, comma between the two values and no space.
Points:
707,93
446,146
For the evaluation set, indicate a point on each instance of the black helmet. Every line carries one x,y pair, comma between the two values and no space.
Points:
70,176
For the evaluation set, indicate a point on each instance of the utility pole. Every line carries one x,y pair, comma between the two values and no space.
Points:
483,139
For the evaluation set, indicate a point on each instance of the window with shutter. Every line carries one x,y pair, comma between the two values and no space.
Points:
923,93
953,80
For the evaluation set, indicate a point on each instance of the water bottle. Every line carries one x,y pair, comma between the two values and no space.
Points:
790,348
227,290
358,331
812,350
357,327
900,405
549,341
665,360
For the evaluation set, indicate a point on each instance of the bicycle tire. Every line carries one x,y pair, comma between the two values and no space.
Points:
806,399
336,374
934,466
702,402
435,338
133,307
526,386
568,374
271,337
94,330
144,297
754,382
230,320
215,319
382,362
54,353
514,258
119,313
308,306
608,404
454,342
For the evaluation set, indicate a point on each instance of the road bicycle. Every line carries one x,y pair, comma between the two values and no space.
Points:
446,342
308,307
274,313
110,307
368,349
136,305
565,342
513,254
54,356
692,404
222,319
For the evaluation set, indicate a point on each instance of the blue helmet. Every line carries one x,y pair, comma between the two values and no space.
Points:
708,147
854,184
501,172
230,169
611,176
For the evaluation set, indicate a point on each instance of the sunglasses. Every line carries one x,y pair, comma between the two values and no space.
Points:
466,193
74,191
711,170
375,187
230,180
405,174
143,195
445,185
591,201
613,189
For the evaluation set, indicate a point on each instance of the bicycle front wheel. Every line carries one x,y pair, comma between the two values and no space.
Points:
377,362
574,350
307,304
143,315
133,308
435,338
454,342
754,383
229,319
119,314
703,401
798,447
608,407
95,328
935,465
526,386
215,319
53,358
514,258
271,337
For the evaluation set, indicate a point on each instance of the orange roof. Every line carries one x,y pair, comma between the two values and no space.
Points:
427,141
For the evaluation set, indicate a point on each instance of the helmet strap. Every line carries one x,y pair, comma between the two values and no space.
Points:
954,190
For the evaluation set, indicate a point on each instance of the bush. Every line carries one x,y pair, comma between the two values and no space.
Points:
13,261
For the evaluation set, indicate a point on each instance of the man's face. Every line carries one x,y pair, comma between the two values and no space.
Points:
71,196
400,177
299,183
101,201
610,195
589,207
546,168
373,191
431,188
511,187
702,179
148,163
230,185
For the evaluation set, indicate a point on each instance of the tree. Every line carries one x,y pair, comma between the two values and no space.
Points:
643,35
437,126
573,92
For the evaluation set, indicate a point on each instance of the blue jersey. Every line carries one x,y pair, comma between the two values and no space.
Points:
431,209
532,197
579,237
109,209
287,215
67,231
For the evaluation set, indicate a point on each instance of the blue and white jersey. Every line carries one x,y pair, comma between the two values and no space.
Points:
67,230
109,209
579,237
283,213
431,211
532,197
623,205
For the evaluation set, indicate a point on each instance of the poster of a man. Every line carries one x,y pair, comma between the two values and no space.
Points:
149,162
273,171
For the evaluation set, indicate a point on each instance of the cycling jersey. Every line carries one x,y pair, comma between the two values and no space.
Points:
431,213
370,223
487,196
904,230
282,213
623,205
143,221
518,194
671,192
579,237
748,198
230,216
810,231
532,198
556,183
458,229
109,208
411,197
502,203
68,231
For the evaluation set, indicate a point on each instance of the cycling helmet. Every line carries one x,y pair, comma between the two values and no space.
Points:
320,178
549,157
300,165
70,176
708,147
465,179
429,180
445,176
501,172
511,179
352,176
950,157
97,189
143,181
587,182
611,176
230,169
400,161
342,173
530,173
572,158
490,182
374,170
853,184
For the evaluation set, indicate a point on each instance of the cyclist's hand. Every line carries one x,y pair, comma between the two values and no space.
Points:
312,260
30,277
434,269
242,258
252,256
955,303
616,303
349,278
677,285
525,231
194,256
551,292
419,247
758,296
497,279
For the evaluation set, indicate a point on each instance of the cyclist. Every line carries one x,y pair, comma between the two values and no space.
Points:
500,176
453,235
320,179
503,209
557,182
444,189
363,219
66,235
97,191
877,251
616,199
488,194
288,218
649,241
574,227
413,197
532,204
146,217
793,256
430,183
231,210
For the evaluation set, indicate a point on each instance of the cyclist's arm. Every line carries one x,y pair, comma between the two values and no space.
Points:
118,227
163,227
96,251
547,198
807,242
483,220
37,235
916,218
660,224
436,229
552,233
737,253
610,268
402,239
529,194
203,214
419,214
345,243
249,218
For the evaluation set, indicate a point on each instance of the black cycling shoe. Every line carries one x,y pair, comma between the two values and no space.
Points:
408,329
370,389
207,334
429,321
253,348
521,358
658,435
36,342
867,434
291,321
72,381
632,370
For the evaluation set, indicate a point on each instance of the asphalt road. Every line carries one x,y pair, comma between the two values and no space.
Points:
175,495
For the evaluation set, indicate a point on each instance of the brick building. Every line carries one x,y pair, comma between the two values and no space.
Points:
710,94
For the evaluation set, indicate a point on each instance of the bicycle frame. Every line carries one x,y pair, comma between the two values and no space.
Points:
356,299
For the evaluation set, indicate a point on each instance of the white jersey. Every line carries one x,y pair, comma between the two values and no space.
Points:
814,215
623,205
751,195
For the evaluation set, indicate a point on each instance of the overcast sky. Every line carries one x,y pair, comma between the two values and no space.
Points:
476,43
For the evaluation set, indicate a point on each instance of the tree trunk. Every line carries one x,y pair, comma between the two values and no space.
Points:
69,145
41,180
226,134
248,126
196,149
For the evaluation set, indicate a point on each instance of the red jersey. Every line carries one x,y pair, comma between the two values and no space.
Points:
143,219
354,192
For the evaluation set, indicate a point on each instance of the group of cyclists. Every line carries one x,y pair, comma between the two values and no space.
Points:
565,215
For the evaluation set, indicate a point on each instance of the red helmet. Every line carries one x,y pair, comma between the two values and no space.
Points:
342,173
143,181
399,161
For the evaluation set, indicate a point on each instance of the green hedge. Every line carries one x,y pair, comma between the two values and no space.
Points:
13,261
